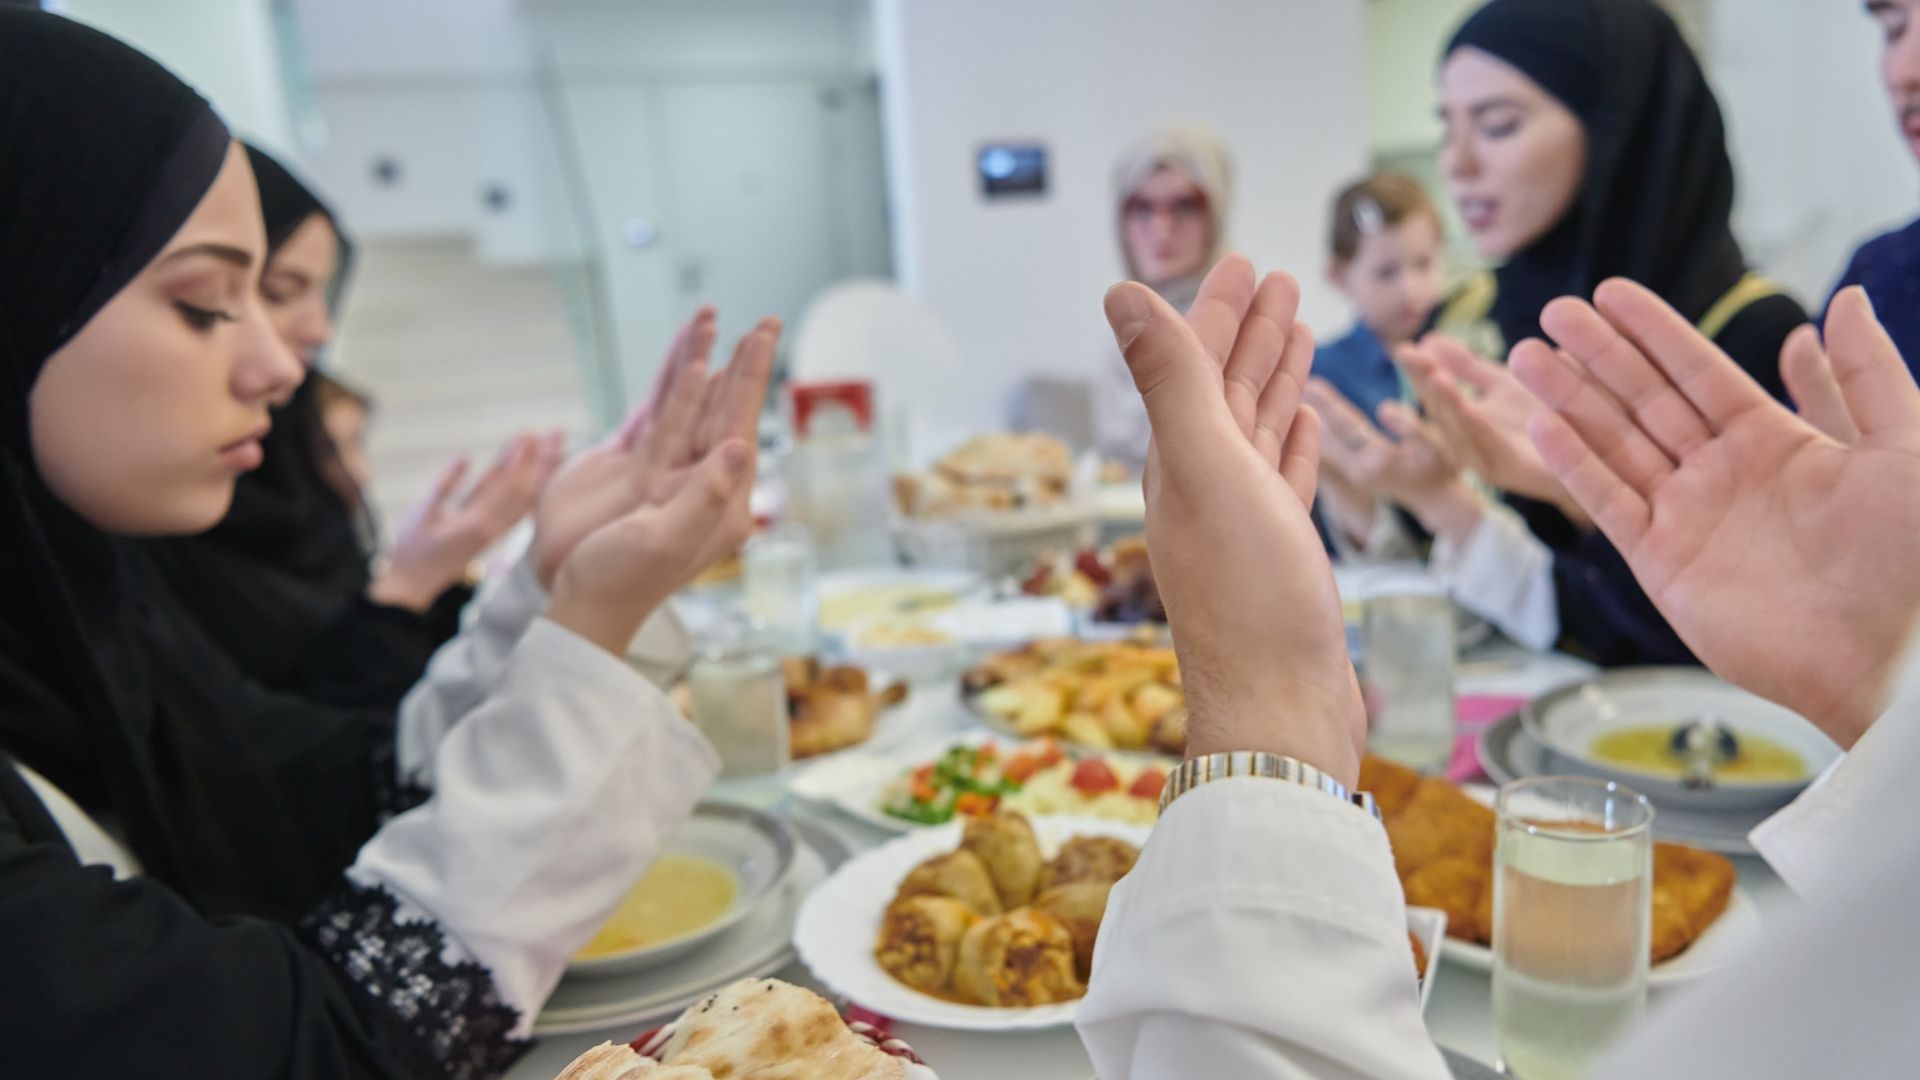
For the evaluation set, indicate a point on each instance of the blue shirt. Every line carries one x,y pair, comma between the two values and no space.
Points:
1888,267
1358,366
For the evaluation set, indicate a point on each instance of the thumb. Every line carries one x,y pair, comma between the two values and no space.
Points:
693,511
1460,362
1177,379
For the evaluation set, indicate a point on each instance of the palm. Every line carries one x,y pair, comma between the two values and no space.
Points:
1766,503
1779,554
1366,458
1485,432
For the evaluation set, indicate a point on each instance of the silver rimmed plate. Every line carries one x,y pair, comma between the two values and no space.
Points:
757,947
1508,753
1570,720
756,848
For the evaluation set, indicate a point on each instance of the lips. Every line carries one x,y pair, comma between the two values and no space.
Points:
246,453
1477,213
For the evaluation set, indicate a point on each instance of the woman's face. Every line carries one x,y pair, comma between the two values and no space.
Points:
1168,225
1396,277
1514,155
142,422
294,288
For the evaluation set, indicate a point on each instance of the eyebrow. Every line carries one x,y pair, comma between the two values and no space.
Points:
239,257
1881,7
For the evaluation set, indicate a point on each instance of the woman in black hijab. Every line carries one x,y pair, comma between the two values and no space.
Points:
1583,143
193,872
284,584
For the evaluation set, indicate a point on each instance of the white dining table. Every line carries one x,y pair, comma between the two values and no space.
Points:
1459,1014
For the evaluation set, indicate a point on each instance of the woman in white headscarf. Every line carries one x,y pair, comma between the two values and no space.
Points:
1171,196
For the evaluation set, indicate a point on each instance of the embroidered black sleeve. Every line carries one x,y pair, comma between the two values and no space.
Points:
445,1019
392,795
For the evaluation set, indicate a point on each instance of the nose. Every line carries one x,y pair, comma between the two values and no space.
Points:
1457,161
266,371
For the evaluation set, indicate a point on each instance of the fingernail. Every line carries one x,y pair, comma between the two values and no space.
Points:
1128,313
738,458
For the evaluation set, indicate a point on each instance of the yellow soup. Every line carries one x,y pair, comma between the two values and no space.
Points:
1647,749
681,894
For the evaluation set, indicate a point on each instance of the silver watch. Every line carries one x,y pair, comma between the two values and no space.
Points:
1196,771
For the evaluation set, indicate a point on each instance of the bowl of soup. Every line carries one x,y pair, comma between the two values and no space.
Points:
715,870
1620,726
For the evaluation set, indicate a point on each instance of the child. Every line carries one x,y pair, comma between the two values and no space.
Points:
344,412
1386,260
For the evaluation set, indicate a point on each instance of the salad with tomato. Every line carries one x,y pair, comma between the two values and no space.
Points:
1035,778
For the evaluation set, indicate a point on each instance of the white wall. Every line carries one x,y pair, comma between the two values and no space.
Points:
1020,282
1821,164
1403,52
225,49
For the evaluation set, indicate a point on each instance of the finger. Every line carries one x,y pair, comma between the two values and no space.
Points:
447,482
1669,417
748,375
1878,387
1176,378
1300,459
1221,306
1350,443
668,438
1710,381
1406,425
1599,420
701,504
1461,362
1264,335
1815,391
1620,512
694,340
1278,408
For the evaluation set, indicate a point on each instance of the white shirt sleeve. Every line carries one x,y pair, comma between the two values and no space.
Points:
465,670
552,797
1263,934
1503,574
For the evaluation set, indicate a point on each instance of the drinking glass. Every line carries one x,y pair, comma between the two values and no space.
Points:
738,697
1408,675
782,588
1572,912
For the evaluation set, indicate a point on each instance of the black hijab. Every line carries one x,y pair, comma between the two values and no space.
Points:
239,801
291,556
1656,202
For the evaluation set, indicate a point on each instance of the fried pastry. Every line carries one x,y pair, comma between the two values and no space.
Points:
1006,845
1018,959
1456,886
1440,821
1100,859
920,939
1079,906
958,875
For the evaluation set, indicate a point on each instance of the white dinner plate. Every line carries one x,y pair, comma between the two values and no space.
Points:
1731,936
759,946
840,923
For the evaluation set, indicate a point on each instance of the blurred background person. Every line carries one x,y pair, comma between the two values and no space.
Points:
1888,266
1172,194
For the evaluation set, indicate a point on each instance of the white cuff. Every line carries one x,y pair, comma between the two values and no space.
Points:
1503,574
550,800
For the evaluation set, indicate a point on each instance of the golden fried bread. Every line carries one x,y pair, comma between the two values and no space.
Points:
1006,845
1018,959
959,875
920,939
1440,821
1101,859
1391,784
1456,886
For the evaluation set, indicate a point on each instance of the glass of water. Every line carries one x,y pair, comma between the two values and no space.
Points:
782,588
1407,675
738,693
1572,912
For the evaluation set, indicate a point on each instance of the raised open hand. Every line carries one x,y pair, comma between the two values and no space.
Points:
1230,477
629,521
1479,412
1782,555
440,537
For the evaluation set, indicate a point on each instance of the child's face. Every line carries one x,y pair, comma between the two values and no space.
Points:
1394,280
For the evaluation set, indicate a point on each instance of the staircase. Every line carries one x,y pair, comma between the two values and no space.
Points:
458,357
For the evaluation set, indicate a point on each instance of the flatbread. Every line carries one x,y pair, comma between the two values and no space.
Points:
764,1029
